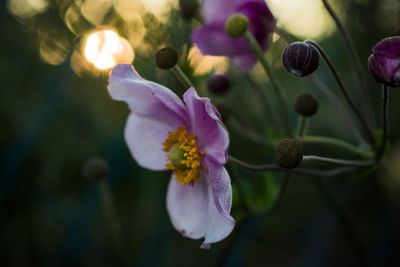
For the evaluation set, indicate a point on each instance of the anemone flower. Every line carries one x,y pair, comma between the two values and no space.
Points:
164,133
211,38
384,63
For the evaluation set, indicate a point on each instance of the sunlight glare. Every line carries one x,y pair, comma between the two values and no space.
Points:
303,18
105,49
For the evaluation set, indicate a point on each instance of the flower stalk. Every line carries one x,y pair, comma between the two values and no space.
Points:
366,101
182,77
115,225
274,81
356,111
304,171
352,163
385,119
336,143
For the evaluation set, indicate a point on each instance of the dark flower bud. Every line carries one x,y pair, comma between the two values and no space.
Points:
166,58
218,84
384,63
288,153
236,25
300,58
95,169
188,8
306,105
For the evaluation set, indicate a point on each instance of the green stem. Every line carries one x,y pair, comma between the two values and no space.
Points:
182,76
336,143
115,225
304,171
352,163
265,103
302,126
385,118
274,81
344,91
354,60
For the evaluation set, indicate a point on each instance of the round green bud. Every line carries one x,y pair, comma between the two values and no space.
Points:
288,153
188,8
306,105
166,58
176,155
236,25
95,169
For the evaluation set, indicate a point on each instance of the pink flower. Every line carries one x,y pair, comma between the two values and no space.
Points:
164,133
212,39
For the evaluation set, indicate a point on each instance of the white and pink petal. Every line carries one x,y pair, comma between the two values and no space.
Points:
212,137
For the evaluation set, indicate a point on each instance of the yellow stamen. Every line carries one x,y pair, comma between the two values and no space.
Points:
187,170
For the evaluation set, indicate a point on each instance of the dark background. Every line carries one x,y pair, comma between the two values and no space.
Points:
54,119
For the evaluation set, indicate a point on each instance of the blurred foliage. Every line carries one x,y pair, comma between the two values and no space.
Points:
56,113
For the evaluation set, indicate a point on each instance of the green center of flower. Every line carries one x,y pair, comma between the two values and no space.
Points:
177,156
184,157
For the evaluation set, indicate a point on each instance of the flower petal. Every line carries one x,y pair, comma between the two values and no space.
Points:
245,63
220,223
188,206
217,10
212,40
389,47
144,97
144,137
212,137
202,210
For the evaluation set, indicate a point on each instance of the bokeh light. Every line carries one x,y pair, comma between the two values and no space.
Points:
25,9
54,47
159,7
303,18
204,64
104,49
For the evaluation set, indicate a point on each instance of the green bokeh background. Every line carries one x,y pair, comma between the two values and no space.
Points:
54,120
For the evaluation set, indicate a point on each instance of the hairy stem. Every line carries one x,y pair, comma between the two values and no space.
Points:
344,91
385,118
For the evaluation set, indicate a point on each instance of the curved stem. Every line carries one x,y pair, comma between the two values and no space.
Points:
354,60
343,219
352,163
302,126
265,103
338,106
336,143
113,220
182,76
274,81
344,91
385,118
276,168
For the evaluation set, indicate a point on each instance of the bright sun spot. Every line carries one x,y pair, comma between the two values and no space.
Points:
304,18
105,49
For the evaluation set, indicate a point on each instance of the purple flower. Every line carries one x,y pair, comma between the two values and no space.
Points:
384,63
212,39
164,133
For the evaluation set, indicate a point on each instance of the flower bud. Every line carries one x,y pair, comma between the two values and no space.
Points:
218,84
236,25
300,58
306,105
188,8
288,153
384,63
166,58
95,169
